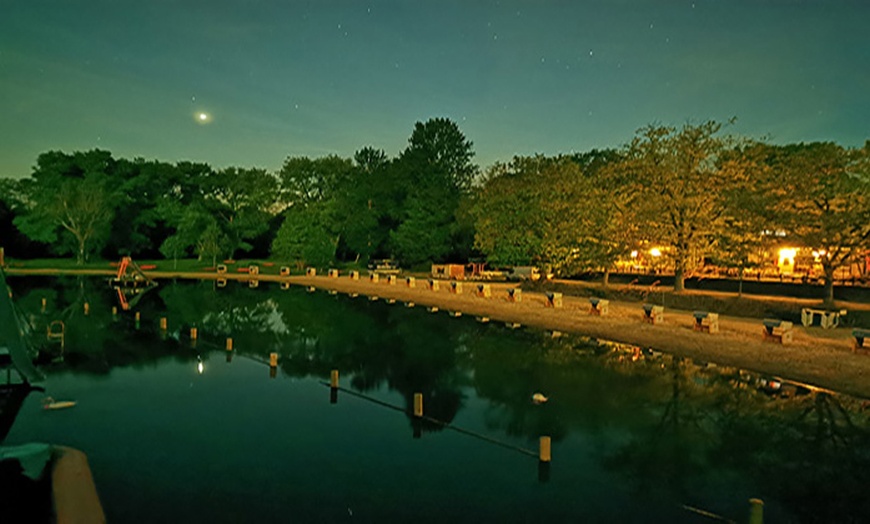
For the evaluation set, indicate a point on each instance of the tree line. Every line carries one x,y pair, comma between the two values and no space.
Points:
701,194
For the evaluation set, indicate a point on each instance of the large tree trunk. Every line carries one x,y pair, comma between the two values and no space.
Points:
606,280
679,278
829,283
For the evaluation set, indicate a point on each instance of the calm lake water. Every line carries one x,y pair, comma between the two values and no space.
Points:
633,439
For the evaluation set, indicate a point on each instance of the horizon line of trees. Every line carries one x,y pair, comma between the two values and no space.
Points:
700,193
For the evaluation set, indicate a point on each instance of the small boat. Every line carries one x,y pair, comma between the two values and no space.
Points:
50,403
539,398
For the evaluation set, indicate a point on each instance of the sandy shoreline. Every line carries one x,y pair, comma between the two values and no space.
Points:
818,357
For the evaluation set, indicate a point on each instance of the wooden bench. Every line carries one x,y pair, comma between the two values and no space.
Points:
706,321
515,295
653,314
777,331
599,306
858,345
554,300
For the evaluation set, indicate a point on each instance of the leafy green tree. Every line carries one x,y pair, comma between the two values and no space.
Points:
305,180
509,223
435,170
568,213
305,237
365,203
138,229
197,231
820,196
70,201
12,240
740,242
590,214
680,177
243,201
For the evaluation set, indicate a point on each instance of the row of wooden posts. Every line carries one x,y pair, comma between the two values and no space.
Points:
544,453
544,445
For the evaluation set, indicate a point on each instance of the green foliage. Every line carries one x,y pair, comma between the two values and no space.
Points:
680,176
305,181
568,213
820,194
509,224
365,205
435,171
70,201
305,238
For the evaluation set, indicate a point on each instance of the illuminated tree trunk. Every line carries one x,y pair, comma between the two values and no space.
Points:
828,267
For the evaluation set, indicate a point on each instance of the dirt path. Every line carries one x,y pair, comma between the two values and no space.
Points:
820,357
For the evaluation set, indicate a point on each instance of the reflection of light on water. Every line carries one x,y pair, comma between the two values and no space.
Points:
199,366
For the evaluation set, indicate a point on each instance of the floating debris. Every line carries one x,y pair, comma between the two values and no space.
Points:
50,403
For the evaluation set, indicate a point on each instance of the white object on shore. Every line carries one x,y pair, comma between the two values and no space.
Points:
539,398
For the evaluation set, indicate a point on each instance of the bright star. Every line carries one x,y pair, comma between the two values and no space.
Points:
203,117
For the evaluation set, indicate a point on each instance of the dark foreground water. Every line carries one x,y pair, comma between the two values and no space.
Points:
634,439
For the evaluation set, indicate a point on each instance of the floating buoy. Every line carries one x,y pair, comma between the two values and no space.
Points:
50,403
539,398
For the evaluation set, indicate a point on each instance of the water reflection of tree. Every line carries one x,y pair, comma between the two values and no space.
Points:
377,346
806,452
669,455
809,452
586,394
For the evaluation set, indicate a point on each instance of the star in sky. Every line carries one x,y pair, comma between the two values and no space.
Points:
315,78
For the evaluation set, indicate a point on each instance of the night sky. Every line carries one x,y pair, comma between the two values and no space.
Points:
250,83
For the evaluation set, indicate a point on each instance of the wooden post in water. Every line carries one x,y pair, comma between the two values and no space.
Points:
273,360
87,308
44,303
333,386
544,449
114,311
138,315
193,333
418,405
756,511
163,323
229,344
